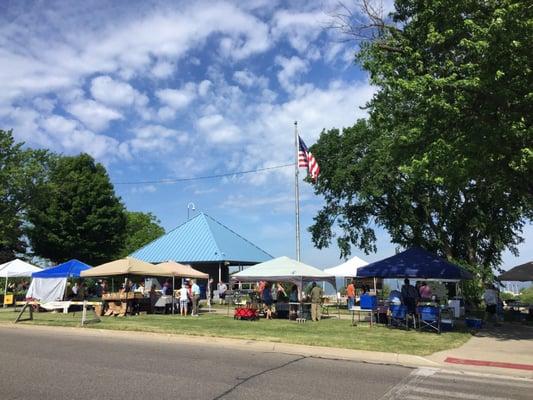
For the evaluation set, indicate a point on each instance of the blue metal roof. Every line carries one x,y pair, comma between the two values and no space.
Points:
201,239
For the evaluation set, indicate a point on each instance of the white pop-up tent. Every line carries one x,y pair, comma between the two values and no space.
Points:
283,269
347,269
15,269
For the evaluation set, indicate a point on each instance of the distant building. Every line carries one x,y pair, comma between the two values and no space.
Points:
207,245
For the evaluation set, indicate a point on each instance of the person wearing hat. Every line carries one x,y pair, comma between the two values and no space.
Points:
316,300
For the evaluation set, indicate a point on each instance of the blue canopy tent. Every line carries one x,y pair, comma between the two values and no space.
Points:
50,284
414,263
69,269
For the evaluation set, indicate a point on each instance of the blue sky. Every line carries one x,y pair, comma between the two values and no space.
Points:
163,90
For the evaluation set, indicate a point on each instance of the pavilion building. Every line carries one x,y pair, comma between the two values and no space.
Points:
207,245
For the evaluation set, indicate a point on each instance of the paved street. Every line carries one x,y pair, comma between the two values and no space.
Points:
65,364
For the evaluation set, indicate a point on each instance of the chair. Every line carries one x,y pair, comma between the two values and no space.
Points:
398,316
429,318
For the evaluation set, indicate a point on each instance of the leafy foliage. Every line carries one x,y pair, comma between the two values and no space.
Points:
445,159
22,173
141,229
526,295
79,215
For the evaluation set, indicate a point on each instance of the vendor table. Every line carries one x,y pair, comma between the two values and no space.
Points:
358,310
121,303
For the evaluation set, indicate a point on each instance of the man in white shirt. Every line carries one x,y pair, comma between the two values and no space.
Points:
222,287
490,297
195,298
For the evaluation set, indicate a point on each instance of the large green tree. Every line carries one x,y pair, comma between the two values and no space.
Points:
22,173
445,159
80,216
141,229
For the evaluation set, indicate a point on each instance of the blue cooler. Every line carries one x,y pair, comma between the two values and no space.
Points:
368,302
474,323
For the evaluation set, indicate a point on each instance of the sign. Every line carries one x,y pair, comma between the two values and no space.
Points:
8,299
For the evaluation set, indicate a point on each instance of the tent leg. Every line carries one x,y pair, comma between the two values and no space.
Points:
5,292
173,286
375,290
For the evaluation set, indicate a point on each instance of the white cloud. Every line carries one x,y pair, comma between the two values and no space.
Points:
163,69
291,69
93,115
63,48
59,125
177,99
156,139
204,86
248,79
114,93
218,130
300,29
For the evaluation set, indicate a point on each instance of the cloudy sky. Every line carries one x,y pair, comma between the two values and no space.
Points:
166,90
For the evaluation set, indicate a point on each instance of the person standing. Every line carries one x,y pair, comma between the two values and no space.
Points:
222,287
425,291
316,300
409,296
267,300
183,293
350,293
490,297
195,289
75,290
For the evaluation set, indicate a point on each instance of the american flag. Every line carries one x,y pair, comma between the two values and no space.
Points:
307,160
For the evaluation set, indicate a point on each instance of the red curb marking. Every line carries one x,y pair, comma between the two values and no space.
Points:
479,363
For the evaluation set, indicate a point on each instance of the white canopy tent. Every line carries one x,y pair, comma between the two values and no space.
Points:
283,269
347,269
15,269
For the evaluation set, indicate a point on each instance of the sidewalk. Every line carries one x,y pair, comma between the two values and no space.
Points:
510,346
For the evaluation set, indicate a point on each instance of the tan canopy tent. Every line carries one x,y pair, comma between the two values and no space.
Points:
172,268
124,266
133,266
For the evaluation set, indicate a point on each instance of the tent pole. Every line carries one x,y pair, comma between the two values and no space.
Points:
375,289
173,286
5,293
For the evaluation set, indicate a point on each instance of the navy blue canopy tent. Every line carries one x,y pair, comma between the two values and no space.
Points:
414,263
69,269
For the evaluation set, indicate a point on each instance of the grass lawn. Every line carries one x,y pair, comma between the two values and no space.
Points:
328,332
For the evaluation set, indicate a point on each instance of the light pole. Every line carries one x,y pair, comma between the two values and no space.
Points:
189,207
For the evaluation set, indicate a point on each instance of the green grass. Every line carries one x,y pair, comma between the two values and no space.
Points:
328,332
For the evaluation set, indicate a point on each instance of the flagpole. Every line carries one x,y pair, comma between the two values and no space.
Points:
297,191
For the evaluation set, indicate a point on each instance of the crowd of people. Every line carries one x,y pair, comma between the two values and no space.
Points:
270,294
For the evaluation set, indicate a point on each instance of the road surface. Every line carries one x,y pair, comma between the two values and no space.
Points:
57,364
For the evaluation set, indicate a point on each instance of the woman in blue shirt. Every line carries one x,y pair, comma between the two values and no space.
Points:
267,300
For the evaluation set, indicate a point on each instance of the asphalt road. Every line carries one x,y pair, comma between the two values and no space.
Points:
66,364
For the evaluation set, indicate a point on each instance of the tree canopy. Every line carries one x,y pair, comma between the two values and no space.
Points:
22,173
141,229
79,215
445,158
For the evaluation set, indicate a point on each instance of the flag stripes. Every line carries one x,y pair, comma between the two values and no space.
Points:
307,160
